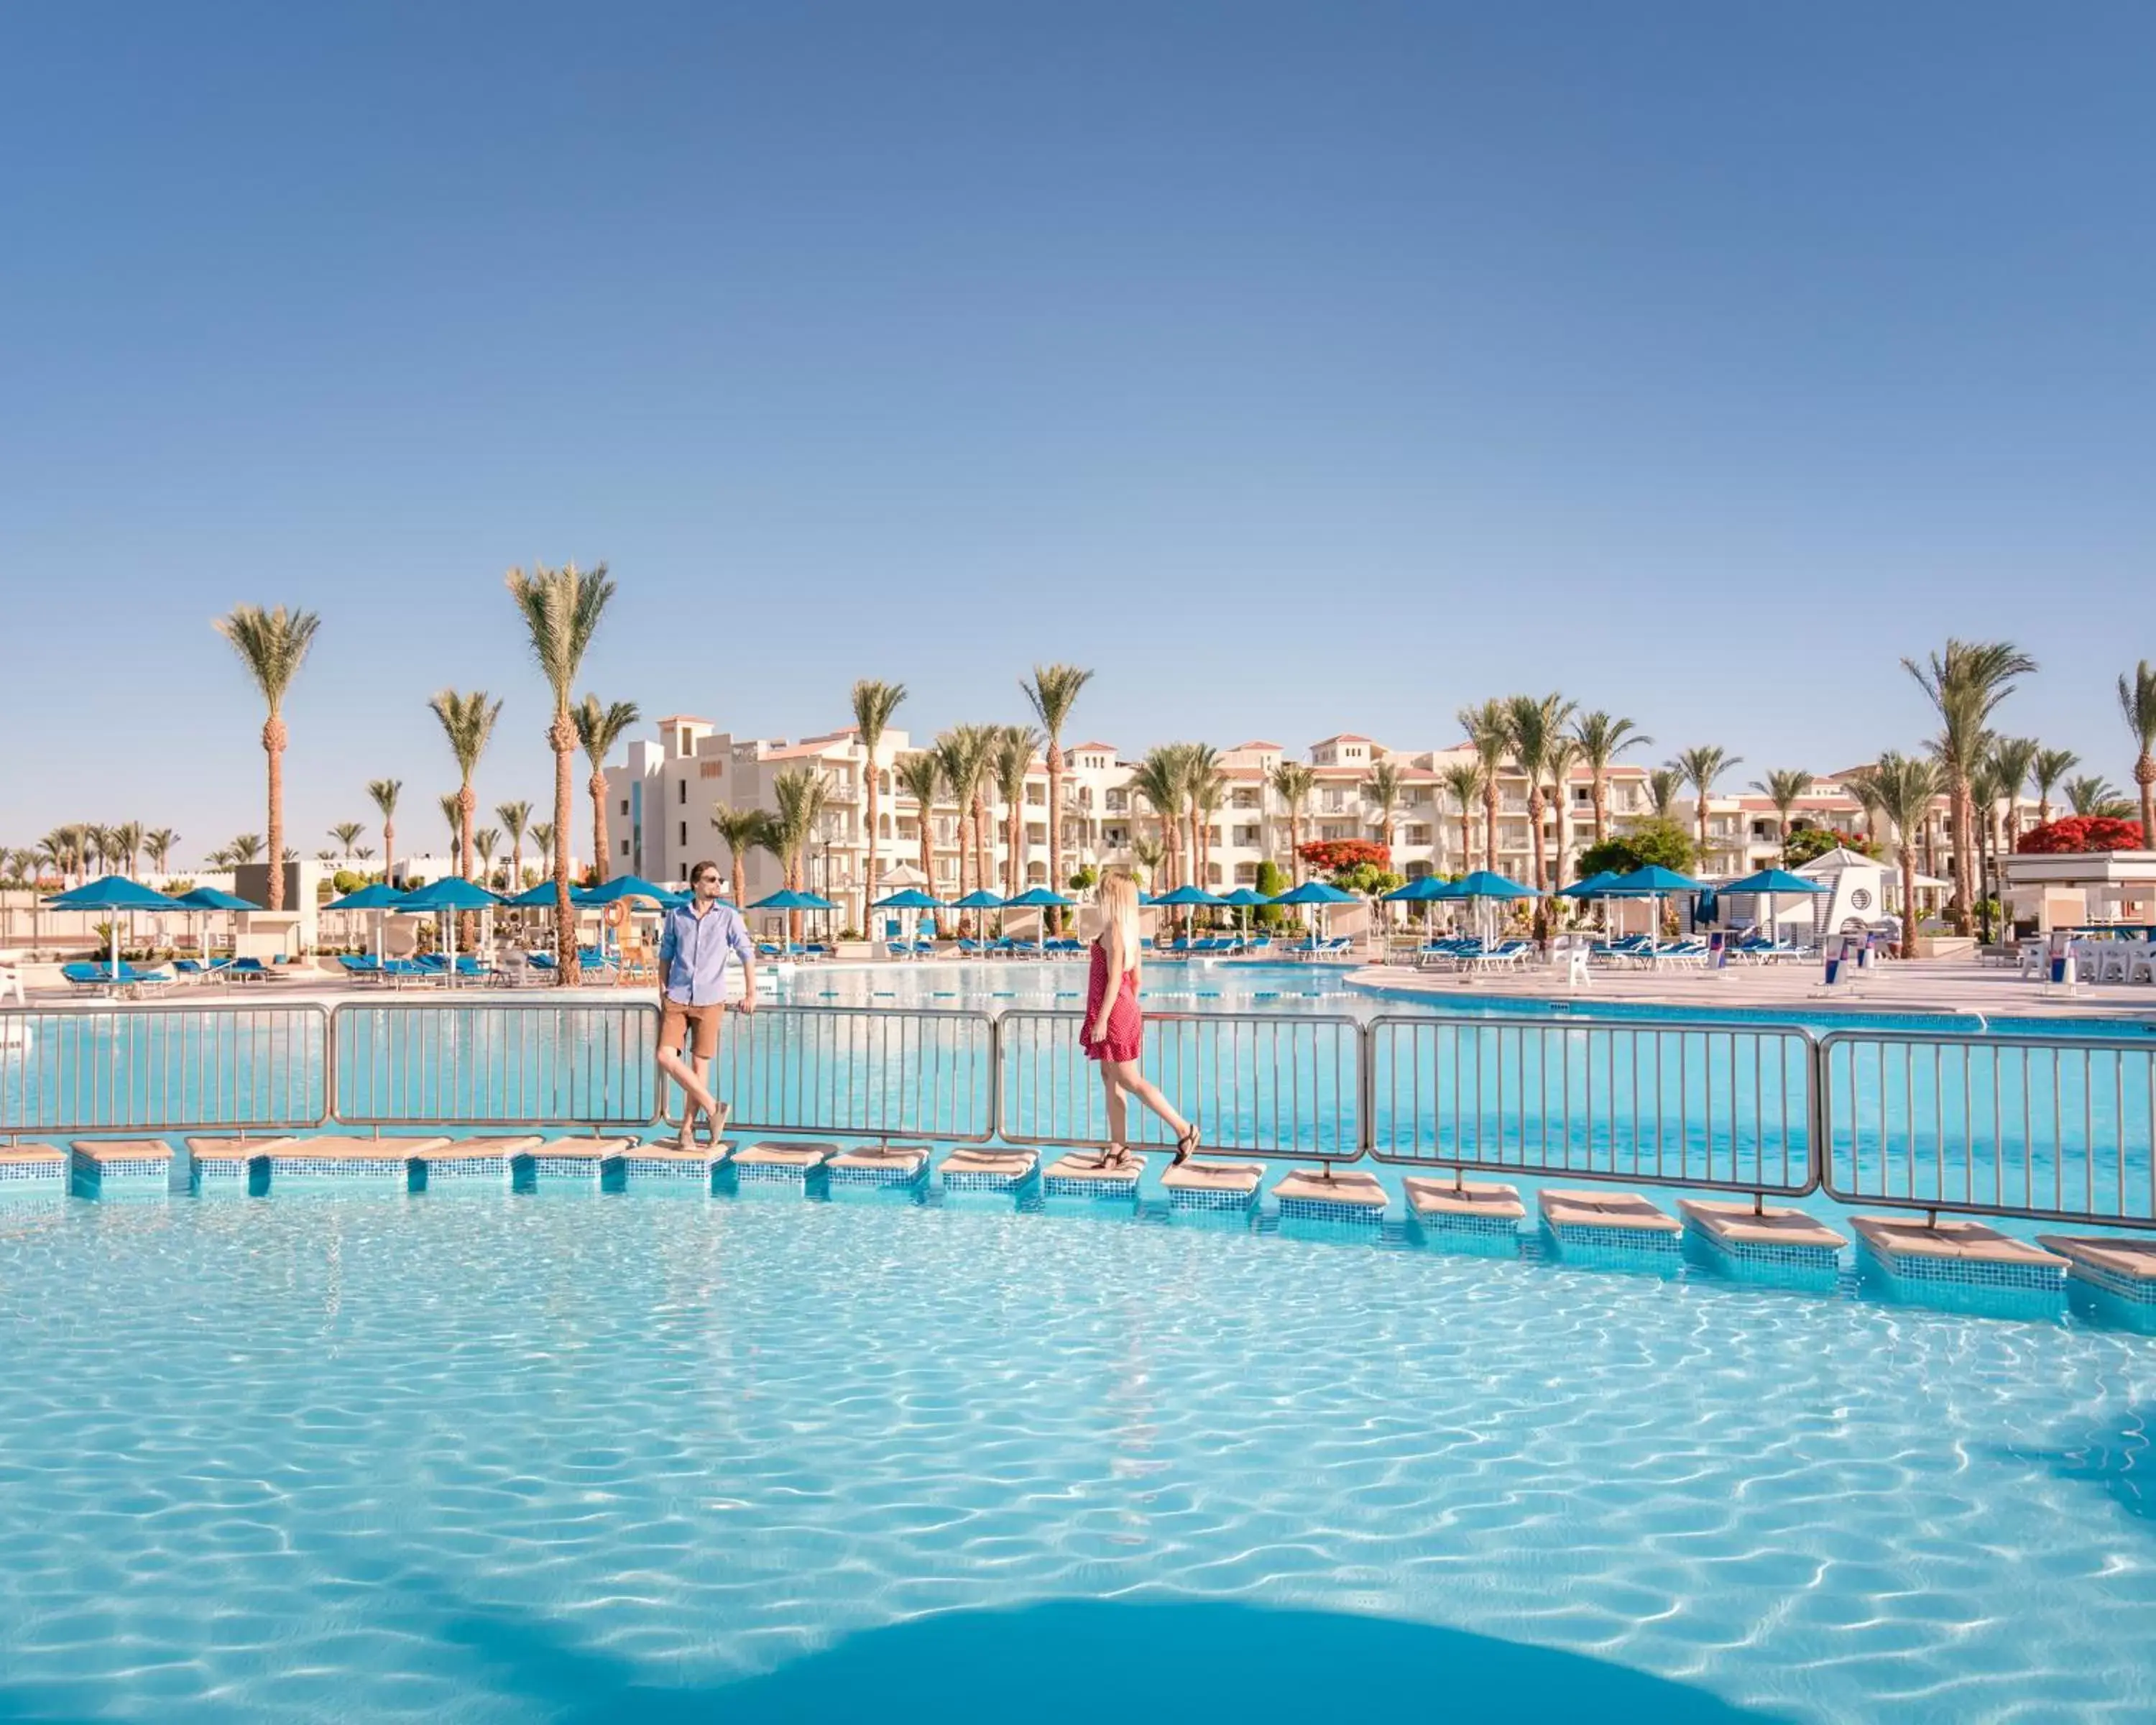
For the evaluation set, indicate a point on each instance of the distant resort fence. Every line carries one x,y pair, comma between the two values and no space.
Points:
2055,1126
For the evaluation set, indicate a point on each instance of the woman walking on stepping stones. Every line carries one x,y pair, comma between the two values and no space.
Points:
1114,1027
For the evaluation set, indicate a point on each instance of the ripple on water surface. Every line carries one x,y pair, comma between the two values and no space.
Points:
532,1457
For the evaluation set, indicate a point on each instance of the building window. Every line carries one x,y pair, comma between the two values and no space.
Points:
681,785
1418,835
624,805
1245,799
685,835
624,847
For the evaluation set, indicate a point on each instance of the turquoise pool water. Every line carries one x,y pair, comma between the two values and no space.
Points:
494,1457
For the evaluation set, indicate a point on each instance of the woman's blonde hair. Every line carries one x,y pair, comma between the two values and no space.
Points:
1119,909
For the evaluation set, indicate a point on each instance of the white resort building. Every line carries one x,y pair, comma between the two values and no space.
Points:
660,802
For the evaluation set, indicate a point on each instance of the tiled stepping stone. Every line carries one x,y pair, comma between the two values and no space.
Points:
1607,1221
107,1164
489,1160
1963,1252
1767,1233
33,1168
1212,1185
783,1162
2119,1264
987,1170
580,1160
388,1160
878,1165
663,1162
220,1161
1307,1195
1466,1206
1080,1173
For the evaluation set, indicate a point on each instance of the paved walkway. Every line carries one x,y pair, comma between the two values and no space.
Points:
1920,985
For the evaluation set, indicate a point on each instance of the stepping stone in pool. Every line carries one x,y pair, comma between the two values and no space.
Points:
220,1164
2123,1266
878,1165
1212,1185
779,1162
662,1161
1607,1221
1963,1253
1308,1195
1769,1235
388,1160
26,1168
477,1162
1486,1208
1078,1174
579,1161
1001,1172
103,1165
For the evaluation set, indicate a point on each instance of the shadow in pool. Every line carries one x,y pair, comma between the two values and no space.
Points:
2117,1456
1085,1663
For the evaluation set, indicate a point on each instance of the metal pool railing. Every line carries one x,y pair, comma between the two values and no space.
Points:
494,1063
854,1071
1260,1084
1665,1103
2059,1127
164,1068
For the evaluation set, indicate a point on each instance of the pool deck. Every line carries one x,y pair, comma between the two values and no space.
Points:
1934,985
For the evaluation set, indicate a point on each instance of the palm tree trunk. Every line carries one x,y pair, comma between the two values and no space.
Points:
562,736
869,884
2144,776
1294,848
1490,824
1055,770
1964,874
600,838
1908,946
1536,809
467,802
1601,805
273,743
389,852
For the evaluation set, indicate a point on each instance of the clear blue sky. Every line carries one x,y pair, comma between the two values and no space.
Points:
1302,367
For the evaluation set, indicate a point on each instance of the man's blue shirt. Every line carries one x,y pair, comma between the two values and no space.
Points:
693,951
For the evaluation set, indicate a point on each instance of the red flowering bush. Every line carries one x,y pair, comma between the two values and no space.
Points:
2077,835
1331,855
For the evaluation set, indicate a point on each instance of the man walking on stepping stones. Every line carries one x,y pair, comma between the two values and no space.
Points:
695,943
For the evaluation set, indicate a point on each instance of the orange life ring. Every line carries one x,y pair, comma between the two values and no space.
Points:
617,913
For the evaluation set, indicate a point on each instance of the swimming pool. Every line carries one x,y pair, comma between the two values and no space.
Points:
497,1457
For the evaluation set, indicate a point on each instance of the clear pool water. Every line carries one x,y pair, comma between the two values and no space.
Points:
496,1457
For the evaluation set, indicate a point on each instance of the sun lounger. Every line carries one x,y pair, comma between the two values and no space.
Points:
85,978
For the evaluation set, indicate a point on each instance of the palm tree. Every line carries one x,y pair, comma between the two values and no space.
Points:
1782,787
1204,789
1291,782
741,830
1563,756
157,844
801,794
346,833
921,776
1907,786
468,722
126,845
246,847
1161,779
1489,729
1966,683
1531,727
516,818
963,752
562,610
1986,786
598,729
874,704
2014,758
1601,740
2136,705
1148,854
1014,750
1054,692
542,837
1857,782
1464,779
385,792
272,645
1700,767
2045,772
221,858
486,841
1384,786
1663,785
2093,793
453,812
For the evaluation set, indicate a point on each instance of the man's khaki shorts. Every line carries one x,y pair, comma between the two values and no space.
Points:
677,1021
